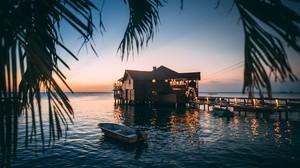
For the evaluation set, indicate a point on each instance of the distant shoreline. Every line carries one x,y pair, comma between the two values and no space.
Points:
210,94
222,92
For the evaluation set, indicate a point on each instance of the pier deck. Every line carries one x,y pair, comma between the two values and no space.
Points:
250,104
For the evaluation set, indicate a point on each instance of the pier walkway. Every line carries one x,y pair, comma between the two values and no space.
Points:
240,104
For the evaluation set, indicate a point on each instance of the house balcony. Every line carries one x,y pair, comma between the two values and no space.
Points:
117,86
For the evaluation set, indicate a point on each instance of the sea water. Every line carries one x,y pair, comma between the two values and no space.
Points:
178,137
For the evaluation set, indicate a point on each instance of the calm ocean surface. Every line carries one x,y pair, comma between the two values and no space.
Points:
177,138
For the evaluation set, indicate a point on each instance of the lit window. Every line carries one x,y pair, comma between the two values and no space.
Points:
153,80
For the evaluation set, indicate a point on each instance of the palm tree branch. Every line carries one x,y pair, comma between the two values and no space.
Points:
143,20
29,33
261,44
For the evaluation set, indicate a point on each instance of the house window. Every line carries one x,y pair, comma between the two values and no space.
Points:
129,81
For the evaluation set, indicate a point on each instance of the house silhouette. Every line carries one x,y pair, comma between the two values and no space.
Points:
161,85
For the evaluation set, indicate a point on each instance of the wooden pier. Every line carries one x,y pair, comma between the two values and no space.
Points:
242,104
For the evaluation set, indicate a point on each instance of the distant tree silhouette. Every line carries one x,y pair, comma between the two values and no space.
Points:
29,62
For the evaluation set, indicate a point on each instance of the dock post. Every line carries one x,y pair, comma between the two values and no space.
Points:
257,114
286,112
279,115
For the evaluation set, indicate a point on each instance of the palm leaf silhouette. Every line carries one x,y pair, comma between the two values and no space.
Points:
30,64
266,26
143,21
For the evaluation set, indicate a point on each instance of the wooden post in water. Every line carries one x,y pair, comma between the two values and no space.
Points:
279,114
286,111
245,108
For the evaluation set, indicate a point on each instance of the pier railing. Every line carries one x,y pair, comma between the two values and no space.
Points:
117,86
250,104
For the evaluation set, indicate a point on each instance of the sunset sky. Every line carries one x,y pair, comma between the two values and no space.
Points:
200,38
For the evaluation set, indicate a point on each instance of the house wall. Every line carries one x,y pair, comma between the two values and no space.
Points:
168,98
127,84
128,89
143,90
158,91
147,90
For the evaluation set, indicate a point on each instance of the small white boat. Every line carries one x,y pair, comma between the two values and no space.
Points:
123,133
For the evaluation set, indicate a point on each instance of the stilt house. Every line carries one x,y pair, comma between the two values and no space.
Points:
161,85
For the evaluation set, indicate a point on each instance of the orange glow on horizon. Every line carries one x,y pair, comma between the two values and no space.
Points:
88,87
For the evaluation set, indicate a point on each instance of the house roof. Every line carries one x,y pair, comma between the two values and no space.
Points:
159,73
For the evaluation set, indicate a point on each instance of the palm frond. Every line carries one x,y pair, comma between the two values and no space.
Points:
142,24
267,26
29,37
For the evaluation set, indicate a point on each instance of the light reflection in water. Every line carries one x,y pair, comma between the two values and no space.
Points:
178,137
254,126
206,124
221,122
236,123
190,120
117,114
277,130
289,131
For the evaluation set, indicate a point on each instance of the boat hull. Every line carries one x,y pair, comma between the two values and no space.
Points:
122,133
223,112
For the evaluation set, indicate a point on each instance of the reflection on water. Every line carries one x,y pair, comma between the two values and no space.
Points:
160,117
254,126
183,130
178,137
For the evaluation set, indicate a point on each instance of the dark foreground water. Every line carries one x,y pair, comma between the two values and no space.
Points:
177,138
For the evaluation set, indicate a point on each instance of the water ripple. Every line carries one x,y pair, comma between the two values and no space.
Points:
177,138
